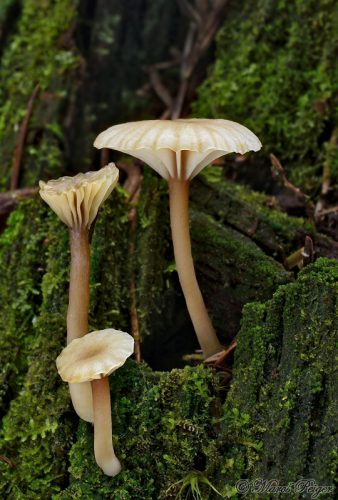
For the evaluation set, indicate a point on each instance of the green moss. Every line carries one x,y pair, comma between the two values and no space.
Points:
36,53
22,264
232,271
251,213
162,424
283,380
36,431
153,252
275,72
110,268
172,430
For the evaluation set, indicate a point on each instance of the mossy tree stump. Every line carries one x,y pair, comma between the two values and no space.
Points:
175,421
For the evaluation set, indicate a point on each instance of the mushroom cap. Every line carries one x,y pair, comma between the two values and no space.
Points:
179,148
94,356
76,200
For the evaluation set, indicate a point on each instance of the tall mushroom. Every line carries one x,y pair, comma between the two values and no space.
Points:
178,150
93,358
76,201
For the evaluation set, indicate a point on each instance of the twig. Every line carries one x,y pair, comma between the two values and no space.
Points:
327,211
188,10
21,140
10,199
308,253
204,20
279,172
159,87
133,180
135,330
104,157
199,38
8,461
218,359
326,178
132,185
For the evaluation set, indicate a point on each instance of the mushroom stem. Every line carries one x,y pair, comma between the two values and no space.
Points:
103,442
77,314
179,220
78,305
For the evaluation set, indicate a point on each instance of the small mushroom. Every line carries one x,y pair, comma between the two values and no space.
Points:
93,358
76,201
178,150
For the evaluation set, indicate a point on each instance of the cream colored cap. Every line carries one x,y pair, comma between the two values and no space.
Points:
76,200
94,356
179,148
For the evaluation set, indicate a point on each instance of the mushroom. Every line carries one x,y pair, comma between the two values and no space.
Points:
178,150
76,201
93,358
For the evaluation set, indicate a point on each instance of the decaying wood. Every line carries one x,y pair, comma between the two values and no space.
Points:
21,140
10,199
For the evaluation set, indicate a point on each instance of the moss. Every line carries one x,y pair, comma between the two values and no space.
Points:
162,425
290,99
22,264
283,381
158,293
110,269
37,53
172,430
36,431
250,212
232,271
154,254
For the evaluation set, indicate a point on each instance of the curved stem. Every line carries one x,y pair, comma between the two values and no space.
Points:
103,442
179,220
77,314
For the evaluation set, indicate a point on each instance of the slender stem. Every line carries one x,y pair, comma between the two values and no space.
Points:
77,315
179,219
78,306
103,442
